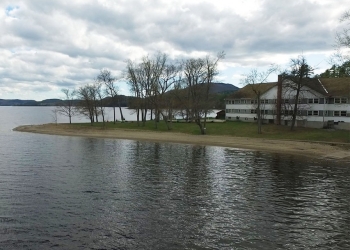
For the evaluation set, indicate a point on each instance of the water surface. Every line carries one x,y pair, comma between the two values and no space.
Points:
80,193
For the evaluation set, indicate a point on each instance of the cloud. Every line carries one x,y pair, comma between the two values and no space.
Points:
66,43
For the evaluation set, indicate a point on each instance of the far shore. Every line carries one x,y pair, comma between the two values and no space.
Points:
300,148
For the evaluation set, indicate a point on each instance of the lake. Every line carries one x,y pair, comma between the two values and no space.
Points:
61,192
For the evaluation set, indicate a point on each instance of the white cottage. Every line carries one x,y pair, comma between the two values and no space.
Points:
322,102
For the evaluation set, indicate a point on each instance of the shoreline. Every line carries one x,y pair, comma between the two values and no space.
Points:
300,148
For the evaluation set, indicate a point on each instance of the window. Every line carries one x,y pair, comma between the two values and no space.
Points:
313,112
342,113
336,113
253,111
340,100
313,100
288,112
286,100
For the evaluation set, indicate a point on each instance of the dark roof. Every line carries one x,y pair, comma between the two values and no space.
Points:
314,84
337,86
326,86
329,86
248,90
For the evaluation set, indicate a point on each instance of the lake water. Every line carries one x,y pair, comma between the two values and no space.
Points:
61,192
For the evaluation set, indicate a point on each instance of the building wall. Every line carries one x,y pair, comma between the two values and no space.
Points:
316,110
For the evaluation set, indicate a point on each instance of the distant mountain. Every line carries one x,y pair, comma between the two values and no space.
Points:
223,88
217,88
54,102
17,102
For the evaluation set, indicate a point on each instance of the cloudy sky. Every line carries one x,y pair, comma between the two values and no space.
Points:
49,45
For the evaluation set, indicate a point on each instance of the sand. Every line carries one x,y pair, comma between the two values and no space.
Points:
320,150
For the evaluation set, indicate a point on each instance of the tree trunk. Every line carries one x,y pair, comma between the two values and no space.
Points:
103,117
113,114
258,113
144,118
166,120
295,109
120,110
156,117
200,125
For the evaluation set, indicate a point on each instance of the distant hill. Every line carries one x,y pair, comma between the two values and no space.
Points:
223,88
17,102
54,102
217,88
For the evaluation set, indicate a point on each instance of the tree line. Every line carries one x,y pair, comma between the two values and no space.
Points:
162,88
90,100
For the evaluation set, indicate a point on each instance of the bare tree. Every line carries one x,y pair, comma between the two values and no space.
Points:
166,82
67,107
288,102
133,74
296,78
343,38
111,89
342,43
162,76
87,105
99,100
153,78
152,69
254,79
198,77
150,80
54,115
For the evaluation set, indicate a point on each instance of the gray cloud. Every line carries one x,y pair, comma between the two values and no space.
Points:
66,43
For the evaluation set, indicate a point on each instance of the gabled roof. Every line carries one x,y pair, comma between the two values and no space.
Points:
337,86
329,86
248,90
314,84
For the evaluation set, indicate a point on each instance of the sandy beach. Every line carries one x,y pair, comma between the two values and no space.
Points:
301,148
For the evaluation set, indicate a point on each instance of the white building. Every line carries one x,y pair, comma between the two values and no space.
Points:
322,102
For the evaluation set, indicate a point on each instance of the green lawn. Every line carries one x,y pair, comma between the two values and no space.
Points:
242,129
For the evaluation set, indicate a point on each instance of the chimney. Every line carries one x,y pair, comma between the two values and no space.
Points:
279,99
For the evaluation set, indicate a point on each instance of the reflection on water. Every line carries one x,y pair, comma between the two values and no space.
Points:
69,193
91,193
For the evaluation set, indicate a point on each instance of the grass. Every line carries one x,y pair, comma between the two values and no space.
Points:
236,128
